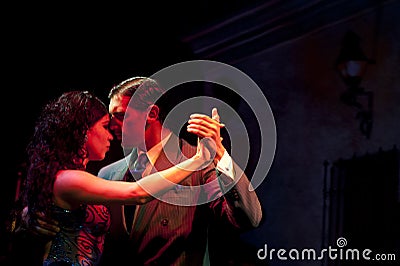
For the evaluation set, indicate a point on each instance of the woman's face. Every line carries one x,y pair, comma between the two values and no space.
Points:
98,139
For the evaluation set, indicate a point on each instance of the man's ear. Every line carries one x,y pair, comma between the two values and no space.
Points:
153,113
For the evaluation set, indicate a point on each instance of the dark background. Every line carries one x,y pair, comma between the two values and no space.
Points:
287,47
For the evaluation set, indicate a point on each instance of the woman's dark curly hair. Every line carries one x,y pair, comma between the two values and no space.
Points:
58,143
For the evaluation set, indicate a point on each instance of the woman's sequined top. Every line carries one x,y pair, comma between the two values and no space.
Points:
81,237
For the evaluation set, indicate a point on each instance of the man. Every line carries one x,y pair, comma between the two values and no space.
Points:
172,229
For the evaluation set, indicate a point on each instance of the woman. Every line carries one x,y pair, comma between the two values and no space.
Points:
71,131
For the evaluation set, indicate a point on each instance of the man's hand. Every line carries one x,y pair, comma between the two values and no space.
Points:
39,225
207,127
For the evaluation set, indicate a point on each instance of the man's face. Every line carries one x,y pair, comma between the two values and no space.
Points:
127,123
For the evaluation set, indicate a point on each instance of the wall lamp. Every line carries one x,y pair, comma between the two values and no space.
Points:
351,65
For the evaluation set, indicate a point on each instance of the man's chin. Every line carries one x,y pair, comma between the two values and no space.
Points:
127,150
127,145
117,137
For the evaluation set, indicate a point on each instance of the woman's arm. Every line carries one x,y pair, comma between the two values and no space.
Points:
73,187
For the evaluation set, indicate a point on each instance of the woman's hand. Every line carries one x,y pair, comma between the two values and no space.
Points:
205,150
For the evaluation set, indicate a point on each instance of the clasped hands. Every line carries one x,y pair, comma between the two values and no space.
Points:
209,131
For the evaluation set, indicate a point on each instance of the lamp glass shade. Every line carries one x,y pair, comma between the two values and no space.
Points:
352,72
352,68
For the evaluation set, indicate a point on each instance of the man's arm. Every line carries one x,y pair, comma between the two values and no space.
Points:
240,194
240,197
